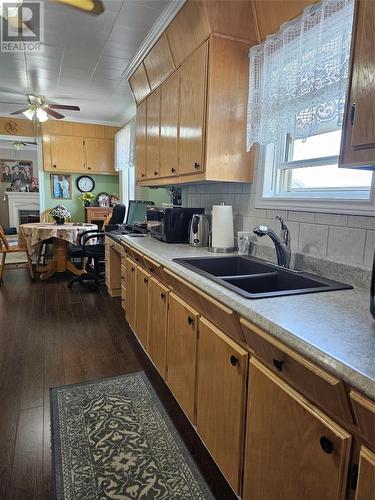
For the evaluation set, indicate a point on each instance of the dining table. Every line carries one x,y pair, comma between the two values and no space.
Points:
61,236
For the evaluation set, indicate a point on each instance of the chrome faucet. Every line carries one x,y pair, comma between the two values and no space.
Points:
282,244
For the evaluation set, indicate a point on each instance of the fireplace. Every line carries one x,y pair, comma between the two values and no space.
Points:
26,216
25,203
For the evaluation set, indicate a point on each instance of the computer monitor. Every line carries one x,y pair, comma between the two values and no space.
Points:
137,211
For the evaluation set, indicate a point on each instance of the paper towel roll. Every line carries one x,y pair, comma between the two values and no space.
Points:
222,227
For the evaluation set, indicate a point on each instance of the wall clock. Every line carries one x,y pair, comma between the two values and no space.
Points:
85,183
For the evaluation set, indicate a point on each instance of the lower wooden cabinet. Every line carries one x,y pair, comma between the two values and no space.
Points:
157,324
131,269
141,305
366,475
221,399
293,450
182,339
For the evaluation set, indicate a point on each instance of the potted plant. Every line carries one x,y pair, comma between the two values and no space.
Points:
87,198
60,214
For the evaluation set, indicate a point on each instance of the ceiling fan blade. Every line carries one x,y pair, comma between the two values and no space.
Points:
12,103
20,111
94,7
55,114
62,106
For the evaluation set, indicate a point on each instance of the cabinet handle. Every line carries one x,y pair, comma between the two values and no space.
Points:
155,172
142,175
190,320
162,296
173,170
233,360
278,363
326,445
133,269
152,270
352,114
136,259
88,168
197,166
54,166
145,280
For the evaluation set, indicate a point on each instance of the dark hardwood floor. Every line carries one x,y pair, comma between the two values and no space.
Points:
52,336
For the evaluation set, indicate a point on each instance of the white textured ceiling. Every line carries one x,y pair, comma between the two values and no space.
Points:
84,60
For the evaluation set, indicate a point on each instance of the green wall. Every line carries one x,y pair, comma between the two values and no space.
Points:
107,183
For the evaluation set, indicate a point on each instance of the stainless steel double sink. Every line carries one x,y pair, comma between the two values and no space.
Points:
254,278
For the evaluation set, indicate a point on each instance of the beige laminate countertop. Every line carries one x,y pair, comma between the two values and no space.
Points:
333,329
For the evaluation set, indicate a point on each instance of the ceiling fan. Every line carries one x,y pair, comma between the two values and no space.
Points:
95,7
38,109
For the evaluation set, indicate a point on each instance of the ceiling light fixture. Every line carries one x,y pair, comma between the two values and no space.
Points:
41,115
29,113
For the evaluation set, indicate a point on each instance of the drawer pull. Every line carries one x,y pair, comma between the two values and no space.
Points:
152,270
133,269
233,360
197,165
278,363
326,445
155,172
173,170
162,296
145,280
190,320
137,259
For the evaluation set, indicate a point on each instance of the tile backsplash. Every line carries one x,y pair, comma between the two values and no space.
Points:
348,239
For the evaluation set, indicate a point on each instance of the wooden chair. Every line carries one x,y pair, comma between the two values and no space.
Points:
13,246
45,216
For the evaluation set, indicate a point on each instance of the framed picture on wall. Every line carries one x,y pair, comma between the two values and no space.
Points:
61,186
16,170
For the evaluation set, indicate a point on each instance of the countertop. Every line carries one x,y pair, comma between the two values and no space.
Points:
333,329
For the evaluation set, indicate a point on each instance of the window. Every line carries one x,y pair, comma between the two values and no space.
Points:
124,161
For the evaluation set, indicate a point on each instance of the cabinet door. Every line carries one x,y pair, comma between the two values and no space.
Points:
100,155
358,144
193,74
158,62
67,153
293,450
140,142
157,324
141,305
139,83
182,353
169,126
366,475
221,395
130,292
153,135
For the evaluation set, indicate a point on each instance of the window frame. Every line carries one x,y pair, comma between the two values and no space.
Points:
311,200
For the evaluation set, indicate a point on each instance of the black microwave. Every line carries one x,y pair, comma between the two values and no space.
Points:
170,224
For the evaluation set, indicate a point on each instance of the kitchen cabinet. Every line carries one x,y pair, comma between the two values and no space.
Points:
182,339
100,155
140,141
141,305
158,62
358,139
366,475
157,324
153,135
193,74
139,83
293,450
221,399
131,268
169,112
113,257
67,153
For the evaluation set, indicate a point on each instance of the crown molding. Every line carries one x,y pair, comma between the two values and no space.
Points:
161,24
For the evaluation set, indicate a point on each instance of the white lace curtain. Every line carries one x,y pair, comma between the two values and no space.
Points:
298,77
125,147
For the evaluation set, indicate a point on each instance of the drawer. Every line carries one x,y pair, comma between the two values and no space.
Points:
154,268
138,257
311,380
220,315
123,268
364,412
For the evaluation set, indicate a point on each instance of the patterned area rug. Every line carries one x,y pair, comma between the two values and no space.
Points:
112,439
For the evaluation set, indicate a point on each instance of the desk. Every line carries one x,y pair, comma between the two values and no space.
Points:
35,234
96,213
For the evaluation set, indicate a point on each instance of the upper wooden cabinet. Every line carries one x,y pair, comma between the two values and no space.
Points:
358,141
153,135
169,109
66,154
193,81
293,450
158,62
140,141
100,155
139,83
